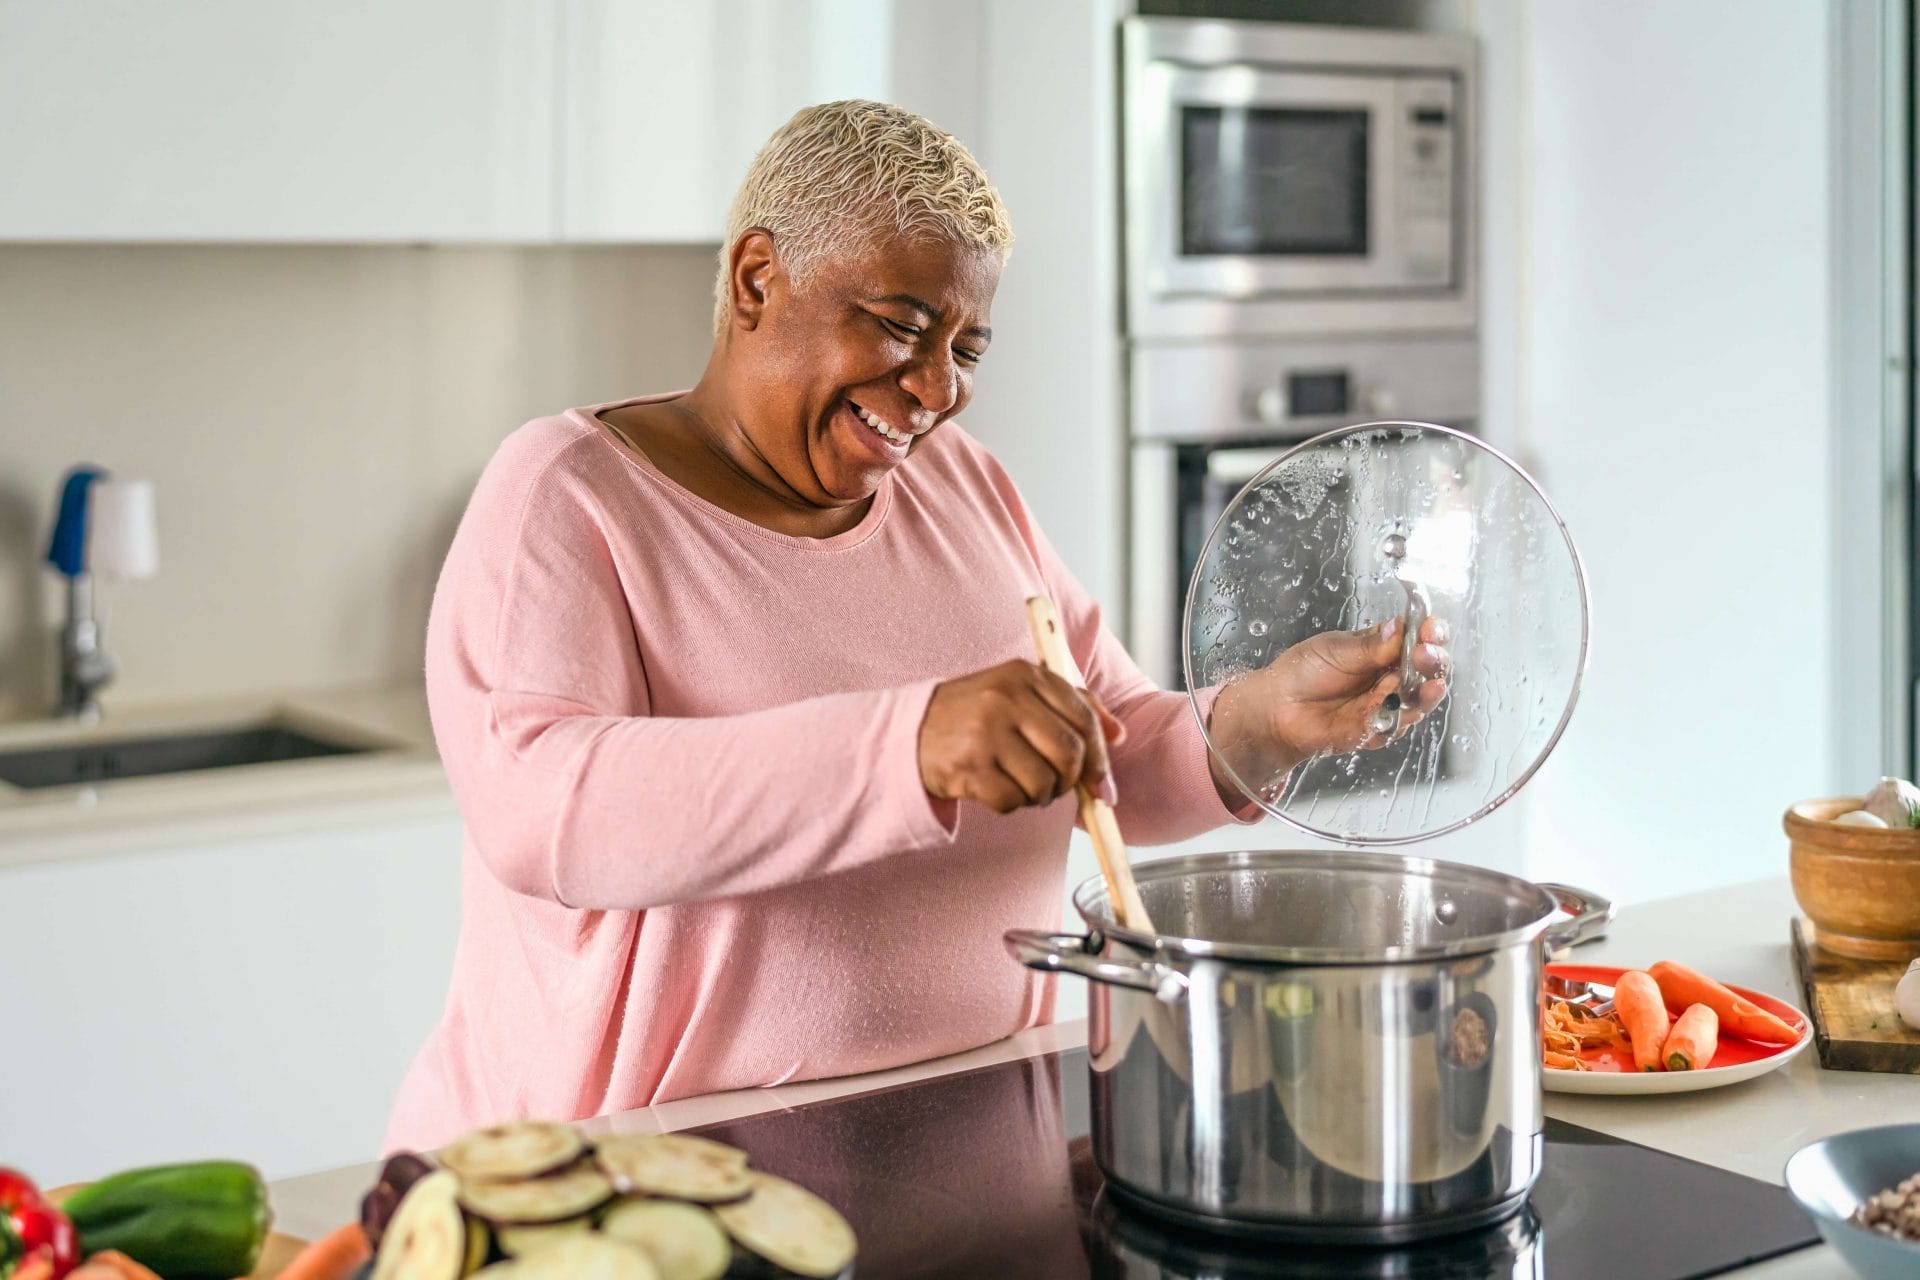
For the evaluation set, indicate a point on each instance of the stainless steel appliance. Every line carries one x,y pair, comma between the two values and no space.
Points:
1337,1047
1284,179
988,1174
1206,417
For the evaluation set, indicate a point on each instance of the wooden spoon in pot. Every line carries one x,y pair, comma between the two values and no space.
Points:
1096,815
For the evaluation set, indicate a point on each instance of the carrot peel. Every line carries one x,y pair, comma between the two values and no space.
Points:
1637,1001
1690,1044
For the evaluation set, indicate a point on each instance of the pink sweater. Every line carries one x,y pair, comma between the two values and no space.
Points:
698,853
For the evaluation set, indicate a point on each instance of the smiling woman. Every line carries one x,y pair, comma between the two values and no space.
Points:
731,683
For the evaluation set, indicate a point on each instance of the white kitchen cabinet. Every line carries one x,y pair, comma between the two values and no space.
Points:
277,120
370,121
257,997
664,103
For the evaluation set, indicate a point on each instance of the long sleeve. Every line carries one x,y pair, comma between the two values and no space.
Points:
704,735
575,793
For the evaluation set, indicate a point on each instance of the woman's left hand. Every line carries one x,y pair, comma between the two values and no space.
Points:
1320,698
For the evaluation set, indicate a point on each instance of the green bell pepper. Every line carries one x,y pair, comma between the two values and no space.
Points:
201,1221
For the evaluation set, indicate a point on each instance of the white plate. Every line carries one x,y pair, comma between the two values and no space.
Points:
1554,1080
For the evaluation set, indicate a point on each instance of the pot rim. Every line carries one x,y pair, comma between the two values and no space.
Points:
1402,864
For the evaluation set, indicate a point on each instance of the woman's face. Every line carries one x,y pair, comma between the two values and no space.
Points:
849,371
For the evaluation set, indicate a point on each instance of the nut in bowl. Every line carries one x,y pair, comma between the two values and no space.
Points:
1851,1179
1860,885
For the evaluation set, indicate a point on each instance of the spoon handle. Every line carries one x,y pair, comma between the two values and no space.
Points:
1096,815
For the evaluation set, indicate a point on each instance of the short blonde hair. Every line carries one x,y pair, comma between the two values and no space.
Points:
841,174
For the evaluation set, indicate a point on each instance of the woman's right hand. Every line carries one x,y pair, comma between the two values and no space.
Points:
1014,735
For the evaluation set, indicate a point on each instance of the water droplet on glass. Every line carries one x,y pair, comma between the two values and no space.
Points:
1258,627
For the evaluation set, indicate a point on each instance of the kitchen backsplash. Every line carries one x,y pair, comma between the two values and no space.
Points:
312,419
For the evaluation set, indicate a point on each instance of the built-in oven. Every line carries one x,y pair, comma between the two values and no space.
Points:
1208,417
1285,179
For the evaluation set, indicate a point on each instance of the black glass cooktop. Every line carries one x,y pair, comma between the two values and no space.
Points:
989,1173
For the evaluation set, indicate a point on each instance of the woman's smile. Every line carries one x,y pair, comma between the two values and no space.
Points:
881,425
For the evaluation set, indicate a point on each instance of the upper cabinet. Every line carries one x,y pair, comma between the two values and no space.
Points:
277,120
504,121
666,102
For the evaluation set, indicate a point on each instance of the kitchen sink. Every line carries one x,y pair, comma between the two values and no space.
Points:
108,759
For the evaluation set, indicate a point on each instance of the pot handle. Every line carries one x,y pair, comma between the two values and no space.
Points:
1591,915
1078,953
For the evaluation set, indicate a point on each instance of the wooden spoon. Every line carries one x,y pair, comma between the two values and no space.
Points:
1096,815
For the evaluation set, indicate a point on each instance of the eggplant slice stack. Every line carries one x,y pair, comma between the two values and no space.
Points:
534,1201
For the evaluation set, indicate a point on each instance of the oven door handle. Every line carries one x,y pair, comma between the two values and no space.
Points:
1237,466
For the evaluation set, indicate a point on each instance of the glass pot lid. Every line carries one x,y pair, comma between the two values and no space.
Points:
1377,521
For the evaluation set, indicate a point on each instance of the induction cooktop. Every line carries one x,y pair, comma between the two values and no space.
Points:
989,1173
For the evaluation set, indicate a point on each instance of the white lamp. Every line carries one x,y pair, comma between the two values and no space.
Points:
123,543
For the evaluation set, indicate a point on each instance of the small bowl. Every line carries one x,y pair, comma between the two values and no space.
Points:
1859,885
1833,1177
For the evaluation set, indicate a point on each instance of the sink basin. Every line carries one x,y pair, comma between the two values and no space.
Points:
107,759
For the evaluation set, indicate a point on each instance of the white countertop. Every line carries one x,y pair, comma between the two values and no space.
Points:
1737,934
400,774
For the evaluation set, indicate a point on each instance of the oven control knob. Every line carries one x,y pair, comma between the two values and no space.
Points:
1268,405
1381,402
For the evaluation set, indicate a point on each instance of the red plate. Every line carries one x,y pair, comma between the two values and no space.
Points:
1733,1050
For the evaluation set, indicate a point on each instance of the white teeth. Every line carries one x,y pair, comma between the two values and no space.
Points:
879,424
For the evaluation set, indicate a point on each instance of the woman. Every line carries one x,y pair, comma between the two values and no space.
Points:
733,685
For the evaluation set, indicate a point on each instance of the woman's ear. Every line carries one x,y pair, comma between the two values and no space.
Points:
751,267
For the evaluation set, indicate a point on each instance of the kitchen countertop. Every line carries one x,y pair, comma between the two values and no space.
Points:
400,776
1737,934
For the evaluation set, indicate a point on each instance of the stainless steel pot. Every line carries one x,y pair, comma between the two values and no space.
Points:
1333,1047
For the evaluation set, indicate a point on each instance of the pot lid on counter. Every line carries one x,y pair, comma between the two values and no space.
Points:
1385,520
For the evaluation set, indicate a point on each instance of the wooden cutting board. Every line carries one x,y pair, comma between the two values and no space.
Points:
1851,1003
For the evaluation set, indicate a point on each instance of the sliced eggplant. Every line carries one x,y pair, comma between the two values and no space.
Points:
427,1236
522,1149
479,1245
566,1194
515,1241
675,1165
685,1241
582,1255
790,1227
397,1177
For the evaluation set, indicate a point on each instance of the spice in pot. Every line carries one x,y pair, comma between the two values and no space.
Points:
1894,1212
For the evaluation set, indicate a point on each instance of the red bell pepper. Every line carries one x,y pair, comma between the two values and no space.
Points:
44,1237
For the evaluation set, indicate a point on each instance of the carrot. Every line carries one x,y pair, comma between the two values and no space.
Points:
111,1264
37,1265
333,1256
1738,1016
1695,1035
1636,998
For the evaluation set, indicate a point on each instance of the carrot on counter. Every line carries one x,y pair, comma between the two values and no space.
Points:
111,1264
1691,1042
1636,999
1738,1016
334,1256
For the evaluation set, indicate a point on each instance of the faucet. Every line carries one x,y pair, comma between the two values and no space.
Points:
106,524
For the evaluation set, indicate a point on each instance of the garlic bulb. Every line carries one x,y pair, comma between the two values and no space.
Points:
1906,996
1895,802
1859,818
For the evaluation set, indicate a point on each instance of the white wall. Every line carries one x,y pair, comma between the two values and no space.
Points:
1665,228
1047,397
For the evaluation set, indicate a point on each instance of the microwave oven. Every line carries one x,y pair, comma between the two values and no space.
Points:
1283,179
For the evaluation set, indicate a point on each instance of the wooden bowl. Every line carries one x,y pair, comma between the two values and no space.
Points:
1859,885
